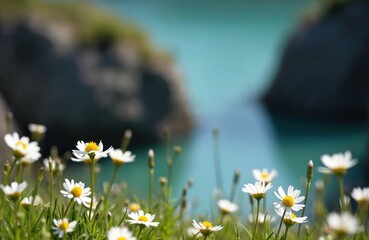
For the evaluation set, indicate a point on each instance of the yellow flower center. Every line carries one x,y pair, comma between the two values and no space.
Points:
76,191
134,207
264,175
91,146
339,170
293,216
22,144
258,196
121,238
143,219
16,152
64,225
207,224
288,201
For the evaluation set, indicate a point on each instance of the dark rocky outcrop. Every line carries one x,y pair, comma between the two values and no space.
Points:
87,93
324,72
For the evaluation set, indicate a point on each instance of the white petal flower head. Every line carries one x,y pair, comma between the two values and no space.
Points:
264,175
63,226
56,165
37,128
77,191
263,218
337,163
119,157
361,195
143,219
14,191
27,202
290,218
85,150
206,227
291,200
343,224
22,147
227,206
117,233
258,190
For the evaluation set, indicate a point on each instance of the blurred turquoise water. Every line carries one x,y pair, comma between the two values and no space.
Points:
227,52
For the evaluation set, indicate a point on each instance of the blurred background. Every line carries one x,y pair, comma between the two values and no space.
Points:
284,83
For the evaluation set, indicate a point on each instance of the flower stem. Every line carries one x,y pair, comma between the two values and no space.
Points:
257,218
66,210
107,194
51,183
139,232
218,174
342,193
14,163
303,209
92,183
285,234
151,173
280,224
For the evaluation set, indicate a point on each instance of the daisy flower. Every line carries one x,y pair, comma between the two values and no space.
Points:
22,147
290,218
14,191
63,226
343,224
258,190
337,163
205,227
264,175
361,195
84,151
37,128
117,233
226,206
143,219
77,191
290,200
56,165
119,157
27,202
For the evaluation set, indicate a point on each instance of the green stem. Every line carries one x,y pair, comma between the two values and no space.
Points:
303,209
14,163
66,210
17,228
107,194
233,192
257,218
139,233
342,193
218,174
20,173
285,234
92,183
151,173
51,184
280,224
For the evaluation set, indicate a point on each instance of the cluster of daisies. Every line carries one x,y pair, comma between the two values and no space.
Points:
288,203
